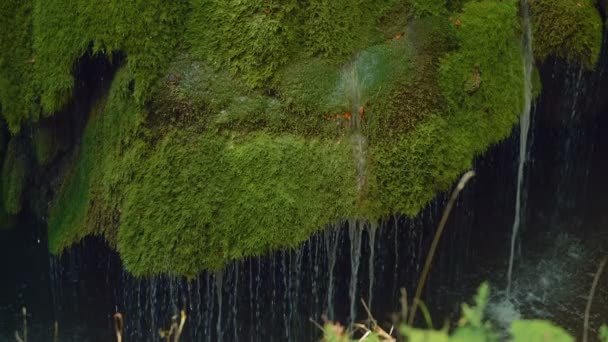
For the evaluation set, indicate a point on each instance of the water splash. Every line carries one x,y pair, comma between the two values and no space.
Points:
523,139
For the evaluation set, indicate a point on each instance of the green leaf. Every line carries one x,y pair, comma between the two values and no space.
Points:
604,333
474,315
419,335
537,330
472,334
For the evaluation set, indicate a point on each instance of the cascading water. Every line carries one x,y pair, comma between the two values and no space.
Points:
524,129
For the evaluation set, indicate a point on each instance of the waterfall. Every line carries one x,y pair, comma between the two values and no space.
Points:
528,61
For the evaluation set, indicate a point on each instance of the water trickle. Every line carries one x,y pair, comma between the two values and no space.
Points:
331,243
355,233
523,139
372,242
219,280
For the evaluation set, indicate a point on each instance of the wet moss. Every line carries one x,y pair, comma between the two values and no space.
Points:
226,198
42,41
17,97
412,168
92,185
570,30
245,145
14,176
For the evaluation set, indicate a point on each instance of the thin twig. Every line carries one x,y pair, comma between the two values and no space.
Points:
316,324
17,337
182,322
56,332
369,314
429,258
118,326
596,279
24,312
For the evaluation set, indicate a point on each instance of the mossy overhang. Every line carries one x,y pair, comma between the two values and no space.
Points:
218,160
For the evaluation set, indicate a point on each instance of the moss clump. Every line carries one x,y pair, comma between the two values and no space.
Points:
4,136
412,168
227,198
16,63
255,39
567,29
42,40
88,198
14,176
48,140
246,148
426,8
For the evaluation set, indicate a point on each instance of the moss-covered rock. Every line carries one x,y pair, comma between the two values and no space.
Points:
567,29
272,121
14,175
483,91
92,186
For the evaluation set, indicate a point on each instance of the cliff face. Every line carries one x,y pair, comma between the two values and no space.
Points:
192,133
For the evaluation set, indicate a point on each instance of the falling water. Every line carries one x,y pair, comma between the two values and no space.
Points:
355,232
523,139
331,243
372,242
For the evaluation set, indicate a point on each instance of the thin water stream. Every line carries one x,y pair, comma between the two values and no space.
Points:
524,129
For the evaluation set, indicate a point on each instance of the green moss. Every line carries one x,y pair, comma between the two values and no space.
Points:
16,63
4,137
255,39
426,8
228,198
48,140
14,176
239,153
42,41
567,29
88,198
411,169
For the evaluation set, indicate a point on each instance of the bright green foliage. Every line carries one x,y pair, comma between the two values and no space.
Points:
426,8
91,190
483,89
473,327
604,333
228,198
14,175
16,63
538,331
567,29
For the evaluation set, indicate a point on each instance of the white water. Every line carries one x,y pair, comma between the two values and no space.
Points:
523,139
